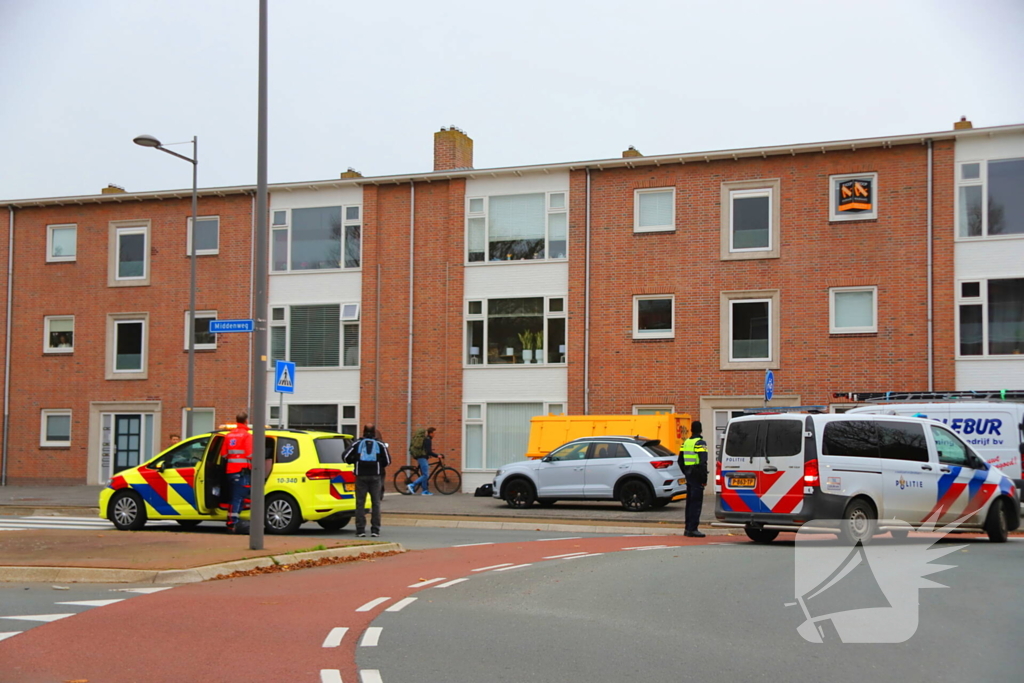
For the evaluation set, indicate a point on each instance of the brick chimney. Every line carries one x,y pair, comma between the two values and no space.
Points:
112,189
351,173
453,150
631,152
963,124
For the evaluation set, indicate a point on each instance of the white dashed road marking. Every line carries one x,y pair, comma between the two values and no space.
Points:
39,617
401,604
558,557
567,538
8,634
370,605
91,603
426,583
517,566
333,638
371,637
493,566
647,547
370,676
576,557
330,676
142,590
450,583
470,545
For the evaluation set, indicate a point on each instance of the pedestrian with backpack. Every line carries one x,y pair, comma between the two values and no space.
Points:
422,448
370,457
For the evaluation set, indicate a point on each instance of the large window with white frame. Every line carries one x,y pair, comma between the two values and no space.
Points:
61,242
497,434
59,334
990,198
517,227
207,235
749,329
853,310
654,209
316,238
990,317
204,339
315,335
526,330
654,316
55,428
203,420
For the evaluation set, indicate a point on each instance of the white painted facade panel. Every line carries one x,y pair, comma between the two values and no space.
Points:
557,181
990,374
332,287
303,199
995,257
515,384
516,278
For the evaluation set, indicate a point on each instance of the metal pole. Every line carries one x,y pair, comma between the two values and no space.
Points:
190,392
259,347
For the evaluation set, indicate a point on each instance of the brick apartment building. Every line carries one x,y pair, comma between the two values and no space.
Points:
471,299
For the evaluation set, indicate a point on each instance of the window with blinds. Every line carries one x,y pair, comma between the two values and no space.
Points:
314,336
654,209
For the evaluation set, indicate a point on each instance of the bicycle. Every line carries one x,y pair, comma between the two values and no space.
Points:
442,478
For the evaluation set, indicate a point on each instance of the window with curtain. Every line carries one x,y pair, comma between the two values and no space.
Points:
508,431
654,210
528,330
517,227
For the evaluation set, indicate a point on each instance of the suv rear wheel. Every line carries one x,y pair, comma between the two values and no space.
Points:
636,496
283,515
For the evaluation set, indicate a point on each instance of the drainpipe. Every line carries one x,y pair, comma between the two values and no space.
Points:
7,346
376,351
412,251
931,350
586,313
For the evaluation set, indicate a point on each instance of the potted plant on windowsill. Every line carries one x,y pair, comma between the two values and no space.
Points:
526,339
538,345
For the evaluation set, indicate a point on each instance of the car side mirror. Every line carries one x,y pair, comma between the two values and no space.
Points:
546,458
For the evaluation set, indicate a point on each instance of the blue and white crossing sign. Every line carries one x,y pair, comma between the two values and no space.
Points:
284,377
222,326
769,385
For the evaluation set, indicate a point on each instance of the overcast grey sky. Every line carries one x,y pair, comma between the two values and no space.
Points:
366,84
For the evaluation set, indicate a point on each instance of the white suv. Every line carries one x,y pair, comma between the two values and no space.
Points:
638,472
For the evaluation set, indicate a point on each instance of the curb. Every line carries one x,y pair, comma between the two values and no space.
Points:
546,526
180,576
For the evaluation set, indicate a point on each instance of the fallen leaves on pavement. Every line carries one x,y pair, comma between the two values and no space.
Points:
303,564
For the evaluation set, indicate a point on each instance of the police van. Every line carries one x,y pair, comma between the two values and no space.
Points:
857,475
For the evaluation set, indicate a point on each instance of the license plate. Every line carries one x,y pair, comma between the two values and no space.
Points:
747,482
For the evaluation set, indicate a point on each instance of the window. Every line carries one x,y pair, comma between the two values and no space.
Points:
852,438
991,317
783,438
989,198
516,331
749,330
902,441
654,210
204,339
61,242
574,451
327,237
350,421
59,334
314,336
951,450
653,317
318,418
518,227
203,420
750,219
853,310
853,197
128,254
127,340
187,454
654,409
497,433
56,428
207,235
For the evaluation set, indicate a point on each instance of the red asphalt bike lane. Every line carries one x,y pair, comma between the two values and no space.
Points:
270,627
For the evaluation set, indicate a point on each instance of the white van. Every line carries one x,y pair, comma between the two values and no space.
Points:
873,472
992,429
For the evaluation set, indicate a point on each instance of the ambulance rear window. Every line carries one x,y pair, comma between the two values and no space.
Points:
330,450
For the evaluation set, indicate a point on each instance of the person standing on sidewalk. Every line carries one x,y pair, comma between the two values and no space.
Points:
237,450
693,458
370,457
422,457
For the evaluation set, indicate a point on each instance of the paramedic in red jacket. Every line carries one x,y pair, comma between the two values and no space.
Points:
237,452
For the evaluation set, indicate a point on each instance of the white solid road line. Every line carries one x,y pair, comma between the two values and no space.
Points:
567,538
8,634
91,603
333,638
156,589
558,557
517,566
330,676
401,604
370,676
40,617
450,583
370,605
576,557
426,583
647,547
493,566
470,545
371,637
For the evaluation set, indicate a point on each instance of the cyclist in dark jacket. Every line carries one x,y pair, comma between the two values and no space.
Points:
428,452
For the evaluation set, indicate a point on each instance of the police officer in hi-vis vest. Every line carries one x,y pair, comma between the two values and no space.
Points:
693,459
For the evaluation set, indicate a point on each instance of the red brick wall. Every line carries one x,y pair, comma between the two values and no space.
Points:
61,381
889,252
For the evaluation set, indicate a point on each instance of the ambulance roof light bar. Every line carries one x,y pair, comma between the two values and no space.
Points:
930,396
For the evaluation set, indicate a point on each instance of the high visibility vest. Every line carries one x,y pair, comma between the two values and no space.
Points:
238,449
690,452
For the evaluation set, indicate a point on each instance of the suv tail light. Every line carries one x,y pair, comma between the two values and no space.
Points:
662,464
324,473
811,477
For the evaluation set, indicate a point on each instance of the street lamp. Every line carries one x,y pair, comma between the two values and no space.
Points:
150,141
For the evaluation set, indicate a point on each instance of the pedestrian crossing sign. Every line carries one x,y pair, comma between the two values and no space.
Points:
284,377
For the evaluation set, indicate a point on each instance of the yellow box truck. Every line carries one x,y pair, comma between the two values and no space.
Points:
548,432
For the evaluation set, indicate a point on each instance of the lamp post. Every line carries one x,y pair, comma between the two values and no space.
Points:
150,141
